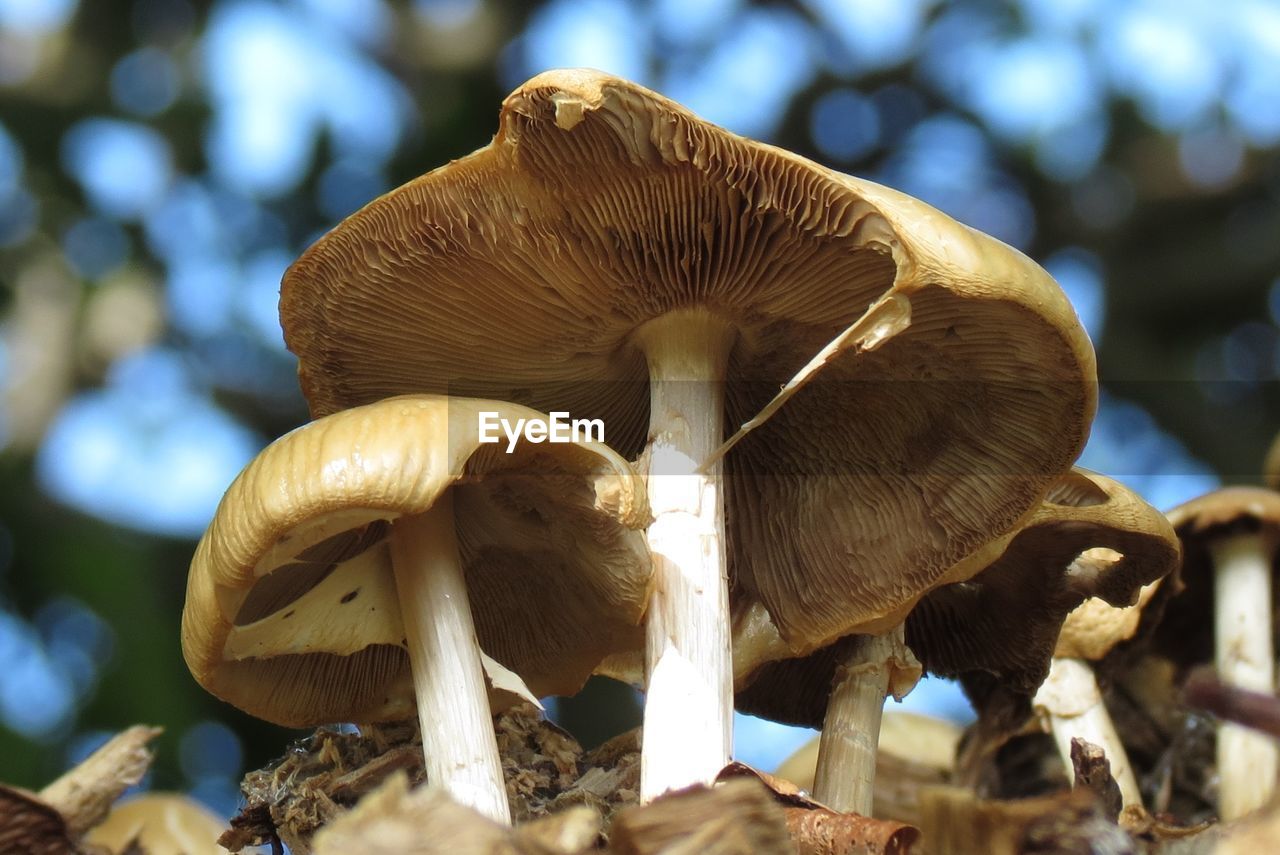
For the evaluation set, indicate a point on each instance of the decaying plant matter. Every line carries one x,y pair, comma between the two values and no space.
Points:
324,775
318,782
56,819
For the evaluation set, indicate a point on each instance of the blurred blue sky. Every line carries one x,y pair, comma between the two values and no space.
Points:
279,76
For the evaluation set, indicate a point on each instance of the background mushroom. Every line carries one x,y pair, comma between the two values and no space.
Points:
1004,620
613,256
1227,613
1070,699
339,579
160,824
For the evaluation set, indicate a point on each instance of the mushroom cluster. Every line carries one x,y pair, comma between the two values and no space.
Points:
835,440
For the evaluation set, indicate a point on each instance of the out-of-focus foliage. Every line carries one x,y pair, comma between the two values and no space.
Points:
162,161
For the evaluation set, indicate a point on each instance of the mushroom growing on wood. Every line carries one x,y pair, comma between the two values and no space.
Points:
355,563
1229,541
613,256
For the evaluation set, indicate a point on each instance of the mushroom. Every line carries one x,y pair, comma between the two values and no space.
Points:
874,666
1003,620
1092,540
1070,700
1229,540
863,670
840,688
913,751
355,563
612,256
160,824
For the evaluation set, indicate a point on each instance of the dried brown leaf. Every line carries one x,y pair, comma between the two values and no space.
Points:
28,825
818,830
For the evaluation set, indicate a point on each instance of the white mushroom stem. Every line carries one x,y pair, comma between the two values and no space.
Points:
845,776
1247,760
1070,700
688,714
458,741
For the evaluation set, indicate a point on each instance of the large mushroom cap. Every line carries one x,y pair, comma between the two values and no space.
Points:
524,272
291,610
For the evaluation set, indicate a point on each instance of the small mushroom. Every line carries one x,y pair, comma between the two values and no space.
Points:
1070,699
613,256
844,685
355,563
1229,540
1003,621
160,824
913,751
1092,540
873,667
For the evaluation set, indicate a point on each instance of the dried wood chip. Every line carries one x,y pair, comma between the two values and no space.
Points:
1093,772
735,818
86,792
52,821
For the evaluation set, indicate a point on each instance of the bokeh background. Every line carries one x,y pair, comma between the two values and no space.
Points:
162,161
